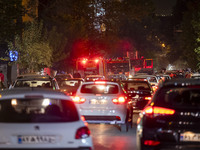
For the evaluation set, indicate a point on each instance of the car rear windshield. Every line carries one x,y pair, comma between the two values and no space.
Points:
37,110
136,86
178,97
100,89
34,83
69,83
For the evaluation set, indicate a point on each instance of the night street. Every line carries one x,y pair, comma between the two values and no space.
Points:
109,137
100,75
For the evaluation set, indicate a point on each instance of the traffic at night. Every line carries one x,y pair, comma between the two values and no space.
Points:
99,75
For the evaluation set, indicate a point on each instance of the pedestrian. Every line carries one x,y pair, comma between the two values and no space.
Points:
1,76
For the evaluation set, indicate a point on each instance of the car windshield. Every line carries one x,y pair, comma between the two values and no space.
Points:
37,110
100,89
34,83
179,97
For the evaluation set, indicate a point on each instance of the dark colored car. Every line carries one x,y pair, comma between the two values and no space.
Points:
172,119
139,93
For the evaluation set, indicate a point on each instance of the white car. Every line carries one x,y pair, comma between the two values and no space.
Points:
34,118
195,76
103,102
35,80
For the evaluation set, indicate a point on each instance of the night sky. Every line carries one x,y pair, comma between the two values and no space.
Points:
164,6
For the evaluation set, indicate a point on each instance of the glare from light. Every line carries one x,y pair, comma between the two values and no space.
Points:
101,87
46,102
130,76
14,102
96,60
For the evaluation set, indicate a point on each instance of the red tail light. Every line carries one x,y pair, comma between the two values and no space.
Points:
151,142
154,111
82,133
120,100
78,100
147,98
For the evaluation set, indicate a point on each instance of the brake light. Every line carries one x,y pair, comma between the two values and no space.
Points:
150,110
78,100
151,142
82,133
147,98
120,100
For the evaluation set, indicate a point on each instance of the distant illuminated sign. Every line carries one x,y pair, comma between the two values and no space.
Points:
13,55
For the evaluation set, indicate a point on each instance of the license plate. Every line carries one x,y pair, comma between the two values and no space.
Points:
190,136
36,139
99,102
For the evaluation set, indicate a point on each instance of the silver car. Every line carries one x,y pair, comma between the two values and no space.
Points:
103,102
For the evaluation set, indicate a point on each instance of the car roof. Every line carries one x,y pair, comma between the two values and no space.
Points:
63,75
145,76
195,74
33,76
94,76
74,79
32,92
179,82
107,82
140,81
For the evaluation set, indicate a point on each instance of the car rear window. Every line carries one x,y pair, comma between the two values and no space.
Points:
152,79
136,86
34,83
37,110
179,97
69,83
100,89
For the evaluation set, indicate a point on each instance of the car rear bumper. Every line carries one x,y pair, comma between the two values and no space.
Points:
104,119
172,146
169,140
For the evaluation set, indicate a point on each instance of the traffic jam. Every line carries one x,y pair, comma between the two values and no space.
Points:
45,111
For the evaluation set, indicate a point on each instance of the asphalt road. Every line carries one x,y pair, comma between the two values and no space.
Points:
109,137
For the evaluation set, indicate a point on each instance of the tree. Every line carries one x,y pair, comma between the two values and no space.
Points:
33,49
185,46
10,19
